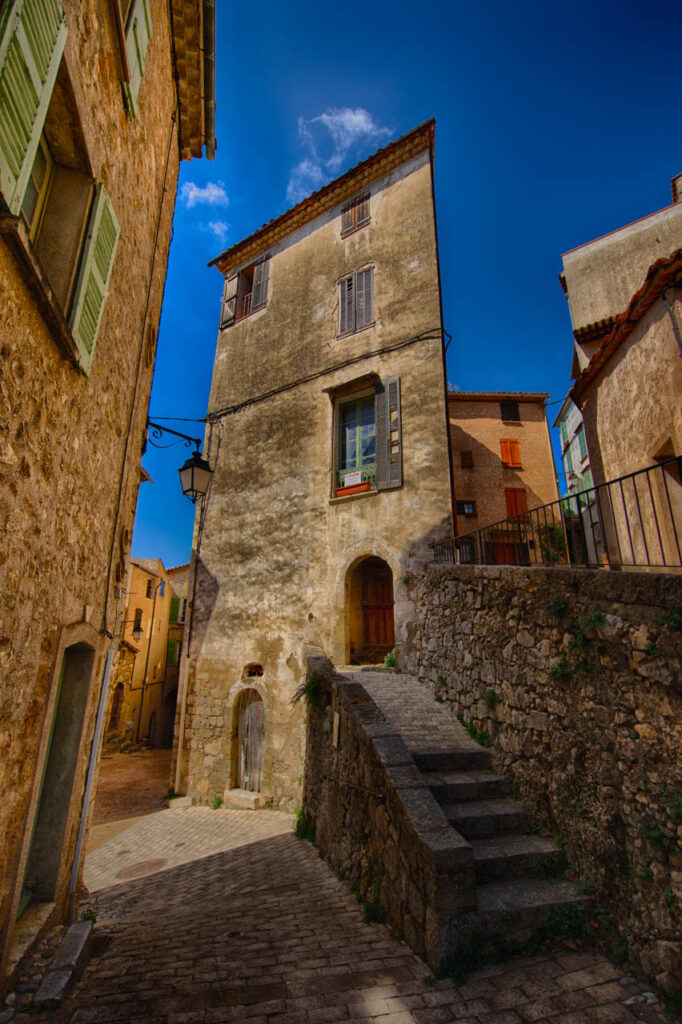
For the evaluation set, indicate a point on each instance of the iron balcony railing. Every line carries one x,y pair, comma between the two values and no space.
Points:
632,522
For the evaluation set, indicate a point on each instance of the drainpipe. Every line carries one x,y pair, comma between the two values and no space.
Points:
94,751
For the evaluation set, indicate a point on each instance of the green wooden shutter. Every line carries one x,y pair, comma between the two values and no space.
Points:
394,432
582,443
138,34
170,654
97,259
174,609
32,37
261,276
381,420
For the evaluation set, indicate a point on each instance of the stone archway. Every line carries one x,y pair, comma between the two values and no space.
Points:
369,610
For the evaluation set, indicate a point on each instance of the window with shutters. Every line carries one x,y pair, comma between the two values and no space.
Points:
515,498
138,32
356,301
245,293
509,411
510,453
466,508
174,609
582,443
466,460
355,215
45,173
368,448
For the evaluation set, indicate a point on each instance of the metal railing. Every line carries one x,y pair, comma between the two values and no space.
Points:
632,522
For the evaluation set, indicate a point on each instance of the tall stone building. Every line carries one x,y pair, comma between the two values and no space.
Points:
329,444
99,101
502,461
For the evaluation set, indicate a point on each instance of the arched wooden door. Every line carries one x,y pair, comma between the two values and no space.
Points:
370,614
251,742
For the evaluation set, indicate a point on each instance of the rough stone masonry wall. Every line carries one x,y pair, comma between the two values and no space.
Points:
376,822
576,678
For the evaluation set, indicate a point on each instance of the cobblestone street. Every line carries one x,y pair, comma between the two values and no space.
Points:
261,930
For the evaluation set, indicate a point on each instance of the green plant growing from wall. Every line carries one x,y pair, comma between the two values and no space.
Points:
672,1002
652,650
440,690
672,801
482,737
558,606
216,803
311,691
389,659
490,699
671,899
652,833
561,671
407,580
303,827
671,617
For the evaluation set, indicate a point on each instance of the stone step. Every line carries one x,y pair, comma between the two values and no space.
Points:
513,856
451,760
478,819
475,784
515,908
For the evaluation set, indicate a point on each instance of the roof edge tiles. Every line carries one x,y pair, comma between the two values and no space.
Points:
662,274
496,396
367,171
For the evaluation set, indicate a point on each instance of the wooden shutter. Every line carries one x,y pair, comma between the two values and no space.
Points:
515,498
505,452
229,303
362,211
515,453
31,47
174,609
171,654
347,219
97,259
389,435
346,306
364,288
138,34
261,275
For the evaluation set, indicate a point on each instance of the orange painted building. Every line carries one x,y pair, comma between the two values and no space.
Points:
502,461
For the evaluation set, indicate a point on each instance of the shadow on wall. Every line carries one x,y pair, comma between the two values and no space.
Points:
206,591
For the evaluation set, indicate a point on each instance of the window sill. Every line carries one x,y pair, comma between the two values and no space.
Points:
512,423
358,330
352,497
12,229
353,231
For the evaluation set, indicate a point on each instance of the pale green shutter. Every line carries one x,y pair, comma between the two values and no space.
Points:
170,656
394,432
174,609
97,258
229,305
138,34
32,37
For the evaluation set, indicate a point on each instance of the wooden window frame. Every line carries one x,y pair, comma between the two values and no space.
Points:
388,472
467,509
245,292
510,453
352,306
355,215
368,471
33,226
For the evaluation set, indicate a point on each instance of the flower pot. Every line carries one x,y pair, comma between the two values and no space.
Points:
343,492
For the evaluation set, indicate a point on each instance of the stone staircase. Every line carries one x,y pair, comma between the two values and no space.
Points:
514,866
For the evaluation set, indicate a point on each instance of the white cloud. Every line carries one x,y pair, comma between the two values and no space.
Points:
336,137
212,193
218,228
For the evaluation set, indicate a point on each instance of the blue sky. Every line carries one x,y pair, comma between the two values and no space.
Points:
554,124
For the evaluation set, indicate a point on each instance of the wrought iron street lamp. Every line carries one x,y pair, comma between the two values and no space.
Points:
195,474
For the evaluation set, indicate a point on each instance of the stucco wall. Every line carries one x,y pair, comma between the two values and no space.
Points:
576,678
276,549
476,426
603,275
644,377
64,434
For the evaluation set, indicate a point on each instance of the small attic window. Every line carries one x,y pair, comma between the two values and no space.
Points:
251,670
355,215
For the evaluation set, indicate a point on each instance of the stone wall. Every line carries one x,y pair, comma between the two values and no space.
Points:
575,679
376,822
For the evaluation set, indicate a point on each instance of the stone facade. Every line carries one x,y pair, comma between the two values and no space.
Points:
73,422
493,455
293,536
377,822
574,678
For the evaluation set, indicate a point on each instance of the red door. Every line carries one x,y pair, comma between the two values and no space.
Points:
377,608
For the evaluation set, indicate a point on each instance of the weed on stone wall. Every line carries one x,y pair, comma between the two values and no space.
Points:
303,827
311,691
480,736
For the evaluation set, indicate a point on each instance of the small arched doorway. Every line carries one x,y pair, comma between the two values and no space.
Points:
250,736
370,611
